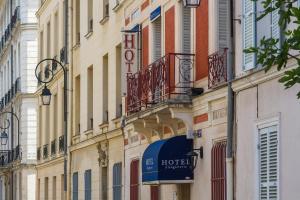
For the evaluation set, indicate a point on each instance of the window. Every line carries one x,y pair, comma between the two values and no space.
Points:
117,181
54,188
39,189
105,8
77,21
41,45
88,185
56,31
90,96
46,188
119,82
134,180
77,104
218,171
268,163
104,183
75,186
48,40
90,15
186,33
62,191
105,88
254,31
223,24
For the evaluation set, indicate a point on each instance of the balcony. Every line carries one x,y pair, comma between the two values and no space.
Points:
45,151
6,158
61,144
53,147
38,153
217,68
169,79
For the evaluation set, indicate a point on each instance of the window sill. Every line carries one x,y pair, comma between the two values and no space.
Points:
117,7
104,20
89,34
88,133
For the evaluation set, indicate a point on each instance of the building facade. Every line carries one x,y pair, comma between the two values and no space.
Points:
50,141
18,56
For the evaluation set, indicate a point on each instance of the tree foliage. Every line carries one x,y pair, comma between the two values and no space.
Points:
274,52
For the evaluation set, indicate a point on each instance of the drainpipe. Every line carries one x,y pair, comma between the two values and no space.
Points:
230,109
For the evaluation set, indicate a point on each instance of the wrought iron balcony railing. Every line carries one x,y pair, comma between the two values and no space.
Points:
45,151
53,147
16,153
217,68
17,85
38,153
61,143
6,157
170,78
15,17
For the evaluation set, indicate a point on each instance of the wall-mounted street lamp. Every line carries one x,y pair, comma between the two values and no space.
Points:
191,3
193,156
46,100
46,96
4,138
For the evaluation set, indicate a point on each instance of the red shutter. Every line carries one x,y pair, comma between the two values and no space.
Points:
170,41
134,180
202,40
154,190
145,46
218,171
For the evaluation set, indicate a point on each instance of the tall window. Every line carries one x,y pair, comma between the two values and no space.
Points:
88,185
77,21
77,104
104,182
62,191
48,40
56,38
105,88
75,186
90,96
218,171
54,188
268,163
46,193
105,8
118,81
186,32
90,15
254,31
41,45
117,181
134,180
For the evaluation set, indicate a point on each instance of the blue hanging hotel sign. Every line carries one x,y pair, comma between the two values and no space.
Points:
166,162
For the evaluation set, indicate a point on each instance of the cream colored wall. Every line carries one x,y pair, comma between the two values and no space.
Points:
273,101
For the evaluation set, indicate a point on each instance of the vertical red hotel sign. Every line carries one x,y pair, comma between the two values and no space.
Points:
130,51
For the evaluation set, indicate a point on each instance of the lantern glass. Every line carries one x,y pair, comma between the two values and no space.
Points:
193,157
4,138
191,3
46,96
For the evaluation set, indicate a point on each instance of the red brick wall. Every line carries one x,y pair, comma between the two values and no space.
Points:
145,46
202,40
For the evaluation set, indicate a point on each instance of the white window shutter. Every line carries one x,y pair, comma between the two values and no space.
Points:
268,164
223,24
249,33
186,32
156,39
275,28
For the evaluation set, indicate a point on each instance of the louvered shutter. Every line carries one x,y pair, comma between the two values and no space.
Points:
249,33
154,192
87,185
117,181
134,180
156,50
75,186
186,26
275,28
223,24
268,163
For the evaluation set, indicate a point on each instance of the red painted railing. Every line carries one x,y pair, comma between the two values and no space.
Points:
217,68
169,77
